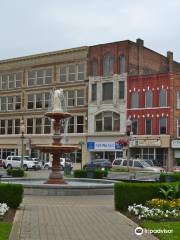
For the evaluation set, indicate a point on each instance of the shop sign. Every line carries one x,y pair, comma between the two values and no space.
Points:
145,143
175,144
103,145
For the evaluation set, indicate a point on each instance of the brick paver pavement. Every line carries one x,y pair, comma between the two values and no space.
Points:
72,218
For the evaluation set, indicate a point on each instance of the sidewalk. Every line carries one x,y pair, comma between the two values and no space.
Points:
72,218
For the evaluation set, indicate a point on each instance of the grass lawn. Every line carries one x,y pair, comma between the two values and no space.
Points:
5,229
164,225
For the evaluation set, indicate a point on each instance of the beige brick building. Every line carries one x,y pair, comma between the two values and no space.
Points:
25,86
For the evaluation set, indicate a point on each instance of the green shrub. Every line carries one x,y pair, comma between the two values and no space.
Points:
80,173
98,173
126,194
169,177
16,172
11,194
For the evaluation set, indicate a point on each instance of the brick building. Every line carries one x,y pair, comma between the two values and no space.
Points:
25,85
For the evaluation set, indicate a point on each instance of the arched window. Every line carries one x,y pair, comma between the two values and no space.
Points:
107,121
94,67
162,98
108,64
148,99
134,100
122,61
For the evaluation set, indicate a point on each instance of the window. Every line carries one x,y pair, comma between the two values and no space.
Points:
40,76
2,127
10,127
178,100
63,74
80,71
148,99
135,126
122,64
3,103
124,163
121,90
10,103
134,100
30,126
46,99
148,126
17,102
107,121
11,83
72,73
178,127
94,68
71,125
18,77
108,64
30,101
31,78
17,126
107,91
163,98
71,98
4,83
38,125
39,100
137,164
80,97
162,125
47,125
48,76
94,92
80,124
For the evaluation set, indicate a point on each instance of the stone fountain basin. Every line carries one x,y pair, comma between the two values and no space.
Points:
74,187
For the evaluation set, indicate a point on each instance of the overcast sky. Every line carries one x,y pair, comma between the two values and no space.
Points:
36,26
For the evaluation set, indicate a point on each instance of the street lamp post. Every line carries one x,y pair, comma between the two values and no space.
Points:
129,134
22,141
81,143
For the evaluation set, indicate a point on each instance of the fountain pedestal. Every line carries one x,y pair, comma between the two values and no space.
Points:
57,148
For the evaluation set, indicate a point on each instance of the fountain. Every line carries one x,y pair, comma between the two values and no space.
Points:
57,113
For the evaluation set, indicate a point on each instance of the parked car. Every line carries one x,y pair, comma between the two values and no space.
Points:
15,161
98,163
176,169
136,165
1,162
38,163
63,163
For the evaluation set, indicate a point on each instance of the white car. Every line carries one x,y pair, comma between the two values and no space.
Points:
63,162
136,165
15,162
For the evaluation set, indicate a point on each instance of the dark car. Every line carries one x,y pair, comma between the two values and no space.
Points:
98,163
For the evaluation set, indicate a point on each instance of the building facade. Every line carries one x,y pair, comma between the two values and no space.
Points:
104,85
25,86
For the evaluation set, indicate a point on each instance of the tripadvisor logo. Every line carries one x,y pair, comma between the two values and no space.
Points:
138,231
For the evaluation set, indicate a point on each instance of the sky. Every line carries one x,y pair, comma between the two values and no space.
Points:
37,26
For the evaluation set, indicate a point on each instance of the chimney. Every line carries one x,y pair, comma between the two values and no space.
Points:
170,61
140,46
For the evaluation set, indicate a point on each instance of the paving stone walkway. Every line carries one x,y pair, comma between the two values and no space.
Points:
72,218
